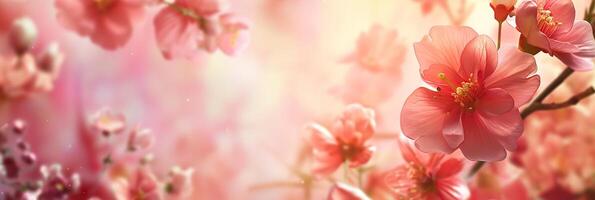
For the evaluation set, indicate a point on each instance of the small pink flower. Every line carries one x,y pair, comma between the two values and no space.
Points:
140,138
140,185
56,185
479,91
185,27
342,191
379,50
108,122
109,23
347,140
49,64
550,26
235,36
180,184
429,179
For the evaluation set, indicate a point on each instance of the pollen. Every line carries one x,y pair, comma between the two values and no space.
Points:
546,22
464,95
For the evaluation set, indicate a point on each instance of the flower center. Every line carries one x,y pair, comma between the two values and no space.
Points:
103,5
546,22
464,95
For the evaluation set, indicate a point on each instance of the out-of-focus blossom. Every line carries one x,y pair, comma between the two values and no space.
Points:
379,50
18,75
345,142
502,8
56,185
550,26
109,23
343,191
433,178
108,122
141,184
180,184
22,35
428,5
235,36
497,181
140,138
184,27
49,64
479,91
378,59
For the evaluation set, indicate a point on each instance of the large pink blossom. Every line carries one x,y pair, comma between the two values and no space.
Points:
478,92
109,23
550,26
427,178
347,140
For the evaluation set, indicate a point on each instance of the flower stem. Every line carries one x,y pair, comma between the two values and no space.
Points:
499,34
546,92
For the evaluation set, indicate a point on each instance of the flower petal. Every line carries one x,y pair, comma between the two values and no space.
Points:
563,12
505,128
430,75
575,62
581,36
175,35
495,102
479,57
479,144
362,157
443,46
453,128
449,168
452,188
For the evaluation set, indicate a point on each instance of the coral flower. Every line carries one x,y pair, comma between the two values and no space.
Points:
235,35
432,179
502,8
140,185
108,122
345,142
550,26
342,191
479,91
109,23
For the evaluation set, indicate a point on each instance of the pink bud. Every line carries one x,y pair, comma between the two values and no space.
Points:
18,126
140,139
20,73
502,8
180,184
22,35
108,122
10,167
51,60
28,158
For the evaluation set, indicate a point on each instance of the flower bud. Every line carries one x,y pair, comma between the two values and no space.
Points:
28,158
51,60
22,35
502,8
19,74
140,139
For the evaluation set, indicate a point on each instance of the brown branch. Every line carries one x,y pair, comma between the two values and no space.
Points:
552,106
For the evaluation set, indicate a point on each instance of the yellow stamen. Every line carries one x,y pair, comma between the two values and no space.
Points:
443,77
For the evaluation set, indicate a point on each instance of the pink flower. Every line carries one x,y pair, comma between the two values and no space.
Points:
140,138
109,23
345,142
342,191
140,185
187,26
180,184
550,26
429,179
479,91
108,122
49,64
56,185
235,35
18,75
379,50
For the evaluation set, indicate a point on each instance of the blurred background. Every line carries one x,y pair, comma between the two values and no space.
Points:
238,120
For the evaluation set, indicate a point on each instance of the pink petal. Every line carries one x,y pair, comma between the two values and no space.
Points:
526,21
449,168
362,157
495,102
581,37
113,30
342,191
453,128
321,138
479,58
443,46
505,128
175,35
74,15
516,190
563,12
479,144
511,75
407,152
422,119
575,62
452,189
